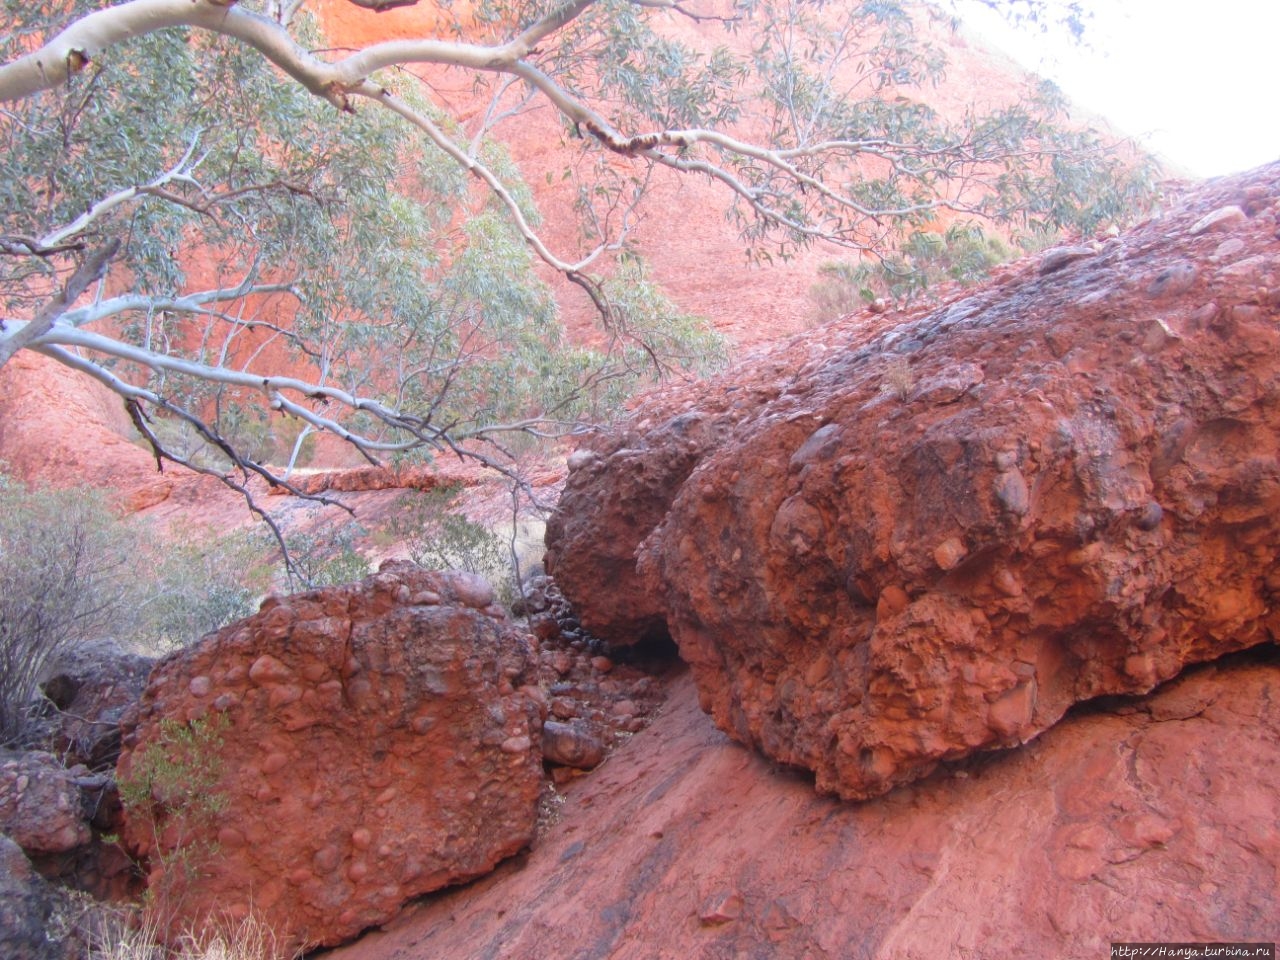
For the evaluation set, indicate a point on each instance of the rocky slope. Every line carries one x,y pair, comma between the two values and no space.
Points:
1149,820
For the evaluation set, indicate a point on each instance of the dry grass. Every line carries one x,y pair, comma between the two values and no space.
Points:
247,938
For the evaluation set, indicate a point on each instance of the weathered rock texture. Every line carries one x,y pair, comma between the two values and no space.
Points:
26,903
377,744
880,548
40,803
1154,820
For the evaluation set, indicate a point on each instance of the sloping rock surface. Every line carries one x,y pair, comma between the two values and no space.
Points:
881,546
1153,820
376,742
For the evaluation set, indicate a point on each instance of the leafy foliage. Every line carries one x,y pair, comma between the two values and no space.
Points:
200,581
964,253
171,795
439,537
325,555
289,269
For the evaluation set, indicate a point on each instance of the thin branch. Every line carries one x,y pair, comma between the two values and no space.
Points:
92,270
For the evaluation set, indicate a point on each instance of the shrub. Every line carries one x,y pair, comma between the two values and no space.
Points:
965,254
325,556
170,789
439,537
66,576
201,582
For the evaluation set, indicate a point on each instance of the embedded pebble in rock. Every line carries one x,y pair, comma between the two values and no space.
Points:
571,745
369,749
867,583
1224,218
1059,257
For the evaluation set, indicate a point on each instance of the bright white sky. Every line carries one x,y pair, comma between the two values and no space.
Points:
1196,83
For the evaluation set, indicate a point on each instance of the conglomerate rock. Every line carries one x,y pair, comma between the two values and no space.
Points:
887,546
1152,820
41,806
370,743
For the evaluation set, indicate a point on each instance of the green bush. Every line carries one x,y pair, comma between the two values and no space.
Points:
171,788
324,556
439,537
67,575
965,254
200,582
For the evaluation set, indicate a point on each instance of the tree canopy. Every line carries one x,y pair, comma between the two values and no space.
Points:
229,221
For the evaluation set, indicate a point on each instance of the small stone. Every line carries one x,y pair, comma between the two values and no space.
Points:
200,686
1059,257
602,664
893,600
949,553
472,589
1012,492
1173,280
1150,516
571,745
564,708
1224,218
516,745
267,669
581,458
1228,248
723,906
1007,583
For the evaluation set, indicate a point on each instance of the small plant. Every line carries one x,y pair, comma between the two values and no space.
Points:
325,556
965,253
248,938
199,582
171,798
898,378
439,537
66,576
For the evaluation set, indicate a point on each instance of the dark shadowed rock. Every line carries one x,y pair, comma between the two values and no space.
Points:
886,547
374,745
92,687
26,903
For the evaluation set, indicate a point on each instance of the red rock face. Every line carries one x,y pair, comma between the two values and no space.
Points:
376,746
899,546
1152,821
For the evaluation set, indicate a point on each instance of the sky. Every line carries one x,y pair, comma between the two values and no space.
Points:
1196,83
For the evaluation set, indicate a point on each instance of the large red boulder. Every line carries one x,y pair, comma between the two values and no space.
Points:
362,745
900,545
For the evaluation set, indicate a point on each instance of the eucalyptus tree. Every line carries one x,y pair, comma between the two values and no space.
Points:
210,209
